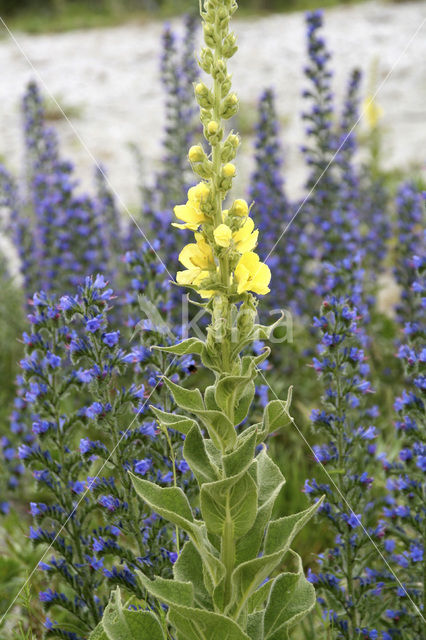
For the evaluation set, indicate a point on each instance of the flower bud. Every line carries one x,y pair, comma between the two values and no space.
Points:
229,106
213,127
196,153
222,235
240,208
229,170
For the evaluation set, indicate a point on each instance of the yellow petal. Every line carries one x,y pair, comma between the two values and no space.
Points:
222,235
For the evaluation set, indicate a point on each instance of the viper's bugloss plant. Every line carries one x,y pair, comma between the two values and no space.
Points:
60,236
179,72
85,424
228,580
410,220
274,209
350,587
405,512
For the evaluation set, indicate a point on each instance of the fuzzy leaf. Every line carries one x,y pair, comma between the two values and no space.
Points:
270,482
187,399
287,528
291,598
241,457
244,404
276,414
170,592
248,576
232,502
209,398
196,624
255,625
169,502
220,428
183,424
98,633
189,568
192,345
257,600
122,624
195,454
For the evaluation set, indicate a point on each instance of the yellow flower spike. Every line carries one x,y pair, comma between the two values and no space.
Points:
240,208
229,170
373,112
252,275
245,239
222,235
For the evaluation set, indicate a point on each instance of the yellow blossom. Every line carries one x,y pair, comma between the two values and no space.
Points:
373,112
190,212
229,170
240,208
198,260
252,275
222,235
245,239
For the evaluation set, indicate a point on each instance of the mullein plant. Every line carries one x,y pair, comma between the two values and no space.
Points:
228,579
405,512
84,426
59,235
348,582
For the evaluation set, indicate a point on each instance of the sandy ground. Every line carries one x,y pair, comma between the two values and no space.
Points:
111,79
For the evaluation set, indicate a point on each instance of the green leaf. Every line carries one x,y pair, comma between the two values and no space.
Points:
287,528
244,404
171,592
255,625
291,598
230,502
122,624
247,577
196,624
270,482
98,633
189,568
241,458
195,454
174,421
192,345
276,414
220,428
169,502
187,399
258,598
209,398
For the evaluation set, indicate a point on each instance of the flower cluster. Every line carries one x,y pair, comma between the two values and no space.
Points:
349,583
59,235
405,510
90,425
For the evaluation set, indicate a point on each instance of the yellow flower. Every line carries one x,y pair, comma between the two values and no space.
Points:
222,235
240,208
252,275
198,260
373,112
229,170
245,239
190,212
